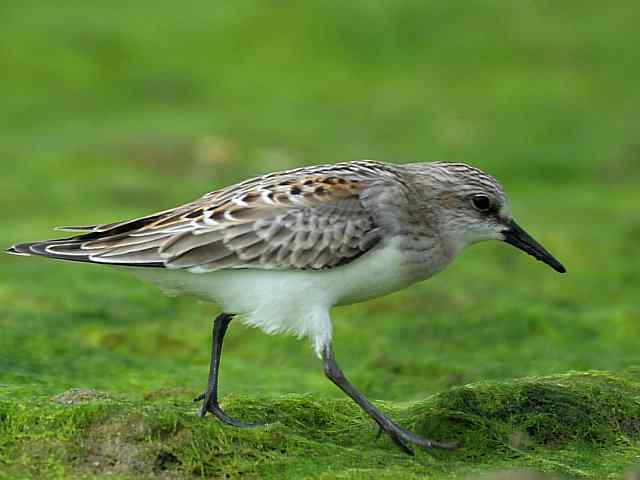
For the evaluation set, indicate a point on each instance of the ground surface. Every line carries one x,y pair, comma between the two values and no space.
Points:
118,110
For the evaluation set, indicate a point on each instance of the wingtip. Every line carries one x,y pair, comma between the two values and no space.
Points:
14,250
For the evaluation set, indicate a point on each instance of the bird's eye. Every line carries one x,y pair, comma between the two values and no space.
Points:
482,203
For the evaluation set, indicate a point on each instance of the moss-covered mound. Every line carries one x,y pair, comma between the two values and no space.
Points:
494,418
581,425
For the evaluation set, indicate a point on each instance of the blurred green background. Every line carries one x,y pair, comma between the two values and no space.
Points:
113,110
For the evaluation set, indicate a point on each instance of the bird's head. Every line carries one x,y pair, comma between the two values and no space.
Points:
473,207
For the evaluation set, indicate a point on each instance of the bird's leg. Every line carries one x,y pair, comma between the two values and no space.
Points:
399,435
210,397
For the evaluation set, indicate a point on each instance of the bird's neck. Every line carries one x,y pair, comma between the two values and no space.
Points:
426,255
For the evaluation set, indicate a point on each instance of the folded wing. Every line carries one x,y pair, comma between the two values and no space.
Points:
302,219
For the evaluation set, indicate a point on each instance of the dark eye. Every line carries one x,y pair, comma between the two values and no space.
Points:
480,202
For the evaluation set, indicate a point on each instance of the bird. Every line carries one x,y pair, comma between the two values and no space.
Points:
280,250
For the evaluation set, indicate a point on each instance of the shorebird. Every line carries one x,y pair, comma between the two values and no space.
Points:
280,250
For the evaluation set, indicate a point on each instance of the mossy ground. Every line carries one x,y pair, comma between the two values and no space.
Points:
584,425
120,109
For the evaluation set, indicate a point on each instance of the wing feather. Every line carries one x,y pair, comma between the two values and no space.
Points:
311,218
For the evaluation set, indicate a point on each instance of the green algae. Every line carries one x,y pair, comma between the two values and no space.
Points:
578,425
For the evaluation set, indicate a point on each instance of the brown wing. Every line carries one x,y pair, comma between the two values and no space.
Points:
301,219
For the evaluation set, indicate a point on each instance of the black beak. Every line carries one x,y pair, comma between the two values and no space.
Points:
516,236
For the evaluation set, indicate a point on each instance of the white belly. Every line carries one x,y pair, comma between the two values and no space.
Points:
294,301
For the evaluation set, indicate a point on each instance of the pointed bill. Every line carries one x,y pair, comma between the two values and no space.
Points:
516,236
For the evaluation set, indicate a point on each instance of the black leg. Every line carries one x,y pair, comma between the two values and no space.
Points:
399,435
210,397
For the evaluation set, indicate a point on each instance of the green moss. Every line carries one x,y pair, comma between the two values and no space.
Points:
550,423
595,408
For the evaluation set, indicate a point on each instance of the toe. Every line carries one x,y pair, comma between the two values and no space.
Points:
402,437
200,397
402,445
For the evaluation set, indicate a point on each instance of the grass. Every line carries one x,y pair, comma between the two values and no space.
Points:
111,111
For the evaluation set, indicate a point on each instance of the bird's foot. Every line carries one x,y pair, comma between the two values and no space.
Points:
210,404
200,397
402,437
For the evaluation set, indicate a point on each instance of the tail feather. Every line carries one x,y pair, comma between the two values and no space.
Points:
42,249
114,243
19,249
70,249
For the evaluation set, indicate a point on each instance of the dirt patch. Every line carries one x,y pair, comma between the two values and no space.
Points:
79,395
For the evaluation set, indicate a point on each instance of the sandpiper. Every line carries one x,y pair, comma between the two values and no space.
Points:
280,250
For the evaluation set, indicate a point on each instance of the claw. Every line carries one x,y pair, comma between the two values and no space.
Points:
402,446
199,397
211,405
401,437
